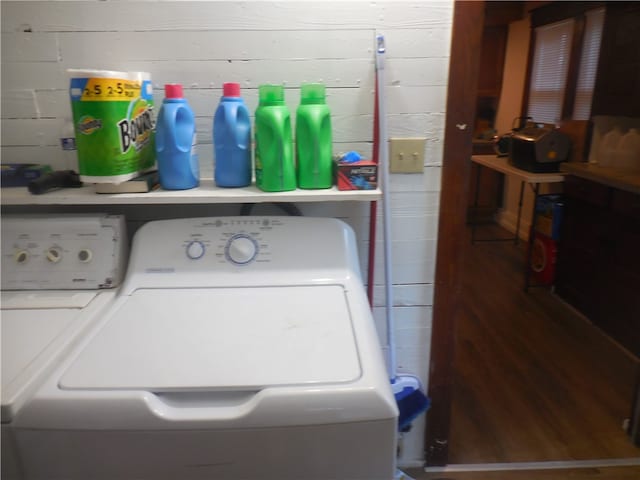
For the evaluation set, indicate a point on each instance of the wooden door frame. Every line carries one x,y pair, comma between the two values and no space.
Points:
464,66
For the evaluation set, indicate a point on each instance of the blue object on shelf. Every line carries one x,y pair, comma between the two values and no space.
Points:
175,142
21,174
549,213
350,157
232,139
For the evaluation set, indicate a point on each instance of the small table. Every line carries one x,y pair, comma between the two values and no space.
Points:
501,164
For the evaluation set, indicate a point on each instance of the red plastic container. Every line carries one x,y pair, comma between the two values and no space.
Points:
543,259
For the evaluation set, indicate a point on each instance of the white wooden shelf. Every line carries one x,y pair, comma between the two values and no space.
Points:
207,193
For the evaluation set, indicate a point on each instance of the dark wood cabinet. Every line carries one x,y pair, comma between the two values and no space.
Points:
617,88
598,268
494,45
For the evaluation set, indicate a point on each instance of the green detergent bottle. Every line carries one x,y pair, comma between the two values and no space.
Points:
313,138
275,169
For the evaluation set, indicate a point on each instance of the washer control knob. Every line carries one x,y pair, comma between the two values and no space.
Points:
195,250
21,256
241,249
54,255
85,255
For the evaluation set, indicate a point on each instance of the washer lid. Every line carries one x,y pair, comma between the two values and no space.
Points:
221,339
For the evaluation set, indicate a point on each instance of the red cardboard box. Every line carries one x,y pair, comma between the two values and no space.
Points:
360,175
543,259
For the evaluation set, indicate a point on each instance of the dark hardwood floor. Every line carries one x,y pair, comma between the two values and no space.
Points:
534,380
589,473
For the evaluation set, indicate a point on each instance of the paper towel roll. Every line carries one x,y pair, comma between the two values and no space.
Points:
113,123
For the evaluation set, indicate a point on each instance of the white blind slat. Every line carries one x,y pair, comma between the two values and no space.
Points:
549,72
588,64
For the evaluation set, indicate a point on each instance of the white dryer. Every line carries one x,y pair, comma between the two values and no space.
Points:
238,347
58,274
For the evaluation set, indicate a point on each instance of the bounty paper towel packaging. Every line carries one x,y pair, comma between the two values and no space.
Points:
113,122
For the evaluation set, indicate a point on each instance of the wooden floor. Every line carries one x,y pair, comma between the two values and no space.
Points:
534,381
591,473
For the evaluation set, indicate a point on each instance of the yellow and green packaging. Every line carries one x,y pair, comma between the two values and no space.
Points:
113,123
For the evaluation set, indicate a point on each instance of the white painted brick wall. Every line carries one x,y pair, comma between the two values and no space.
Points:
203,44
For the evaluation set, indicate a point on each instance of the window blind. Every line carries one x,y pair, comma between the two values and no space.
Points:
549,71
588,64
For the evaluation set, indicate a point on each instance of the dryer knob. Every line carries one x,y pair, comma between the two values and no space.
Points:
54,255
241,249
85,255
21,256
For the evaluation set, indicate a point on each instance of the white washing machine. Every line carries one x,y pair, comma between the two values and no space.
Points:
58,274
238,348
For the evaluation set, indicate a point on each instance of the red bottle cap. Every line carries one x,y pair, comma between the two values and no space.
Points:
173,90
231,90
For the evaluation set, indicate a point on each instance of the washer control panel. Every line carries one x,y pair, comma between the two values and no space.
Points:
233,241
63,252
205,251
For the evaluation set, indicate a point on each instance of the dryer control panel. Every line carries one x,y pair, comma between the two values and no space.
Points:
63,252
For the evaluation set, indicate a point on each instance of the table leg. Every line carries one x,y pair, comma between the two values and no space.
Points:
517,237
475,205
527,267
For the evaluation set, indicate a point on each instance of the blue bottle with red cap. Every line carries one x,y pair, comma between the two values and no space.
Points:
232,139
178,166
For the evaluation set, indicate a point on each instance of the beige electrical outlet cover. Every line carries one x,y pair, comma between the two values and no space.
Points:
406,155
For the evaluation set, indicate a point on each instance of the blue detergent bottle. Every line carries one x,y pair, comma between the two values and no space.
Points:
178,166
232,139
